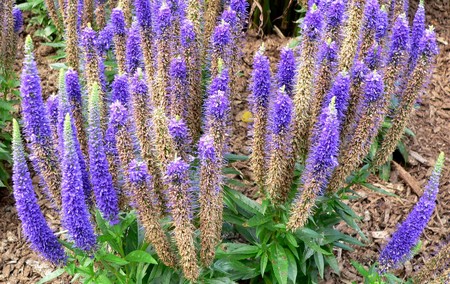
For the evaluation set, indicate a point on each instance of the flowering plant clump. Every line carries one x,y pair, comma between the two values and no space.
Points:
147,153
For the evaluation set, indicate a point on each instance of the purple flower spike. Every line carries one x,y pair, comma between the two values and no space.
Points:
206,150
323,155
418,29
399,248
360,70
230,16
428,44
134,52
374,88
120,90
286,70
73,88
241,8
371,13
105,195
340,91
218,107
143,14
88,42
260,81
312,24
187,33
221,37
399,38
163,20
329,53
119,114
335,14
34,225
118,22
180,133
18,20
281,114
178,86
105,39
382,25
373,57
75,212
219,83
52,110
177,177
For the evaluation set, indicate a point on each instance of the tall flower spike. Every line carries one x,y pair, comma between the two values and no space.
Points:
178,92
260,102
180,201
127,11
104,40
161,82
428,270
34,226
334,18
18,20
88,12
373,57
190,44
120,38
65,108
364,132
210,199
382,26
417,31
221,45
312,30
321,161
286,70
241,8
53,13
340,91
369,27
327,61
120,90
72,41
278,176
100,12
75,214
73,90
144,131
134,52
164,146
180,135
212,11
37,125
52,109
140,186
351,35
428,51
217,113
144,20
398,250
105,194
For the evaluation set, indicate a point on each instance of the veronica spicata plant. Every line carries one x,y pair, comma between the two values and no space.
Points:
155,142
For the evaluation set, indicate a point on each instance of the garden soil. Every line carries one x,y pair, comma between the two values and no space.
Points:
380,213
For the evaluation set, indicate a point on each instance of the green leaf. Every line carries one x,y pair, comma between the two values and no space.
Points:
263,263
236,251
257,220
318,259
141,257
52,276
114,259
291,239
292,269
379,190
236,270
102,278
233,158
243,201
332,262
58,66
279,262
361,270
306,232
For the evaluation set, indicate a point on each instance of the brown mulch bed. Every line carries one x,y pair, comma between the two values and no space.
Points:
381,214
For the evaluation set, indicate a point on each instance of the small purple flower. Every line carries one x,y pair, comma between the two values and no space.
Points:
120,90
74,209
105,195
382,25
230,16
286,70
52,110
119,114
323,153
371,13
374,88
373,57
261,82
312,24
399,39
163,21
187,33
178,86
134,52
118,22
177,179
221,39
340,91
18,20
220,83
206,150
218,107
281,114
399,248
359,72
34,225
88,42
241,8
180,133
417,31
328,54
143,14
428,44
105,39
335,14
